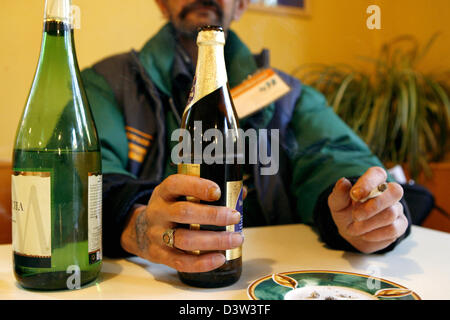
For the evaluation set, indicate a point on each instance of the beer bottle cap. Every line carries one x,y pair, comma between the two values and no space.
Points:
210,28
210,35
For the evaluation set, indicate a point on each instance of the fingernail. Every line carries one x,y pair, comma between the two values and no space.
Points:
214,193
236,216
236,240
356,194
340,182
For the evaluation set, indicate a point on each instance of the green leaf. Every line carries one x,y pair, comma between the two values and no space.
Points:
402,113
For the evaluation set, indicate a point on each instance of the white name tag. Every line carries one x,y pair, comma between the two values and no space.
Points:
261,89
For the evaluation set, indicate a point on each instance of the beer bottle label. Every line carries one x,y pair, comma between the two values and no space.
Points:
31,218
233,200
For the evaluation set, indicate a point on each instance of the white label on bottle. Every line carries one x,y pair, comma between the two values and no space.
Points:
95,218
31,214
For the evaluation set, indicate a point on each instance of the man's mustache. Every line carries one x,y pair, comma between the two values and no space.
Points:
199,4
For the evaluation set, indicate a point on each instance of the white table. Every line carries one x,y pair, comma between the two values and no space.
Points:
421,262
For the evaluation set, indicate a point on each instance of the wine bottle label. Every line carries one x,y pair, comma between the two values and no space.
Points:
234,200
31,218
95,218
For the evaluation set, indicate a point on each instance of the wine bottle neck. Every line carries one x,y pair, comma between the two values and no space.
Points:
57,43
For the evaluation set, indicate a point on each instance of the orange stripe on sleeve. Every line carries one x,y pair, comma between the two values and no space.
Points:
138,139
136,157
138,149
141,133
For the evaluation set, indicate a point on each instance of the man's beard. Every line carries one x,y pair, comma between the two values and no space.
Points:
192,32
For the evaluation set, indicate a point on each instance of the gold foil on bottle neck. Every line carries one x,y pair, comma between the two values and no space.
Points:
210,37
211,73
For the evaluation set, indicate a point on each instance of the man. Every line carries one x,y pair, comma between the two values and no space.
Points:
137,100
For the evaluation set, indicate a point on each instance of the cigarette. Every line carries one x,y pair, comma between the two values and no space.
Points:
375,192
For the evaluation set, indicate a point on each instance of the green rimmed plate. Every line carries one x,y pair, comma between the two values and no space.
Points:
310,283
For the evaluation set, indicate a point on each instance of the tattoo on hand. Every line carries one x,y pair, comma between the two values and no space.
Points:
141,227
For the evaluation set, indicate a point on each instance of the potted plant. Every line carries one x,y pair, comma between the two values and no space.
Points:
402,113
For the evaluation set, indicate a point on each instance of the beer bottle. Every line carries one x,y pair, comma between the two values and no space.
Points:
56,179
210,107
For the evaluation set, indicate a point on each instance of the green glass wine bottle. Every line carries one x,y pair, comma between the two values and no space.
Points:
57,179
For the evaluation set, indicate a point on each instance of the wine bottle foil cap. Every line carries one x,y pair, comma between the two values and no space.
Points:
58,10
210,35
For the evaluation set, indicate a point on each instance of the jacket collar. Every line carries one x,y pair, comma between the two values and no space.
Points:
158,55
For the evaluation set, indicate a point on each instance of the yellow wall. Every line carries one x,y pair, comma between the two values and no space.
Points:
335,32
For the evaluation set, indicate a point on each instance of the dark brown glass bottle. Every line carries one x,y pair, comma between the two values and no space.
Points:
210,117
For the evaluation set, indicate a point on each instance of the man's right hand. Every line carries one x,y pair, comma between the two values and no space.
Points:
143,233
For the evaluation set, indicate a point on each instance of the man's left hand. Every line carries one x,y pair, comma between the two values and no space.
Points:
375,224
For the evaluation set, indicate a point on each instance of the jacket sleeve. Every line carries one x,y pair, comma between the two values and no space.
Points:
327,151
121,190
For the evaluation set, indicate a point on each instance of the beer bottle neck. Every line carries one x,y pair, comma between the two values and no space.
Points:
211,73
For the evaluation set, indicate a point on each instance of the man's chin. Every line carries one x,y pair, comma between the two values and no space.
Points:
202,18
189,26
192,30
